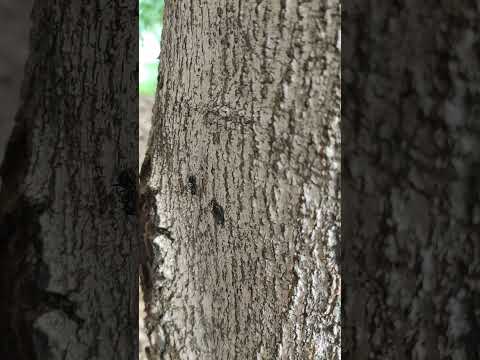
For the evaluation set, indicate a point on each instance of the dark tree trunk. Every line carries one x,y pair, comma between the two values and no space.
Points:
68,251
411,174
242,181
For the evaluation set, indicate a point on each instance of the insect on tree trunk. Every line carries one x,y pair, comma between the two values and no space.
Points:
242,182
68,259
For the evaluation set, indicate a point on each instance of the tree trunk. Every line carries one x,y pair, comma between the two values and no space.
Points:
68,253
241,183
411,176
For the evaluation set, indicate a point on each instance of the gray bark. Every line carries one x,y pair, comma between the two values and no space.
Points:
241,183
411,177
68,256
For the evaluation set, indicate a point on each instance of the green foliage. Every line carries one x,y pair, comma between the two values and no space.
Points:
151,15
148,86
151,18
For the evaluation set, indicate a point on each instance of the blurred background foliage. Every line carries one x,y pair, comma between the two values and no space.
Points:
150,27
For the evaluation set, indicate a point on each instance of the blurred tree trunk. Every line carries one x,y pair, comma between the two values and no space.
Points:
411,174
241,183
68,259
14,28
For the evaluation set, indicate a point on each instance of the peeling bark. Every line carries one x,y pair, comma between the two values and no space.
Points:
68,253
243,167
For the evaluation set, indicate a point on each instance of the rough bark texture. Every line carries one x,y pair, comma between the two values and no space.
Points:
242,177
411,140
145,120
68,251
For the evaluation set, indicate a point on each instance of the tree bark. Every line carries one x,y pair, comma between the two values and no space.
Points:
411,140
241,183
68,255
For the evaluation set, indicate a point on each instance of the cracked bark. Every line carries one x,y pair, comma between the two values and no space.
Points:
243,167
411,170
68,253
